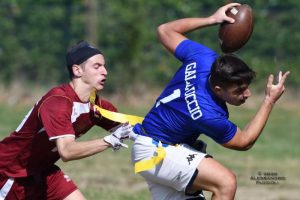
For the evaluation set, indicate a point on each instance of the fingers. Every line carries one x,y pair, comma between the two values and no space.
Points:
220,15
124,145
230,5
227,7
270,81
282,78
233,4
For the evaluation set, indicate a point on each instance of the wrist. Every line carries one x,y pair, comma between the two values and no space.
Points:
269,102
108,140
211,20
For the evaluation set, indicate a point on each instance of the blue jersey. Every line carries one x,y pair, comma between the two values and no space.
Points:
188,107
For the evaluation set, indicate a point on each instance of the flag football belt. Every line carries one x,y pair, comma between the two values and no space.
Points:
142,165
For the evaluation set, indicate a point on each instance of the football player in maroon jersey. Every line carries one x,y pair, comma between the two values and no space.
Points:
50,129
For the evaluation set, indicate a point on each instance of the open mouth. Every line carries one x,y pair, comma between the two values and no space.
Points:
102,82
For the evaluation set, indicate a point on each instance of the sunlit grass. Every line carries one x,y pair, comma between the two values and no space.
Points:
109,175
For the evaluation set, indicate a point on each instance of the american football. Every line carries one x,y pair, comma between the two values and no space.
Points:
233,36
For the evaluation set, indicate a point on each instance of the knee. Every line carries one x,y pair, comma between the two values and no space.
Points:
228,186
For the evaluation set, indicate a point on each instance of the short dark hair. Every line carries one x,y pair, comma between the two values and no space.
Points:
79,53
228,70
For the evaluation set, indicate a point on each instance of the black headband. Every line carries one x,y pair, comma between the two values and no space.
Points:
80,53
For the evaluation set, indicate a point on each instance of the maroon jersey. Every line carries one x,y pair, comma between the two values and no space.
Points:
31,148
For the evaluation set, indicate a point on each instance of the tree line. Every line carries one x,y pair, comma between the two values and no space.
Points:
35,35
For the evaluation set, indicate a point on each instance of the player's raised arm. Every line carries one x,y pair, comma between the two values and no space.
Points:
172,33
245,139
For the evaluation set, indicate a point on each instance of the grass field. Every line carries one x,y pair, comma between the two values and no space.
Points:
110,176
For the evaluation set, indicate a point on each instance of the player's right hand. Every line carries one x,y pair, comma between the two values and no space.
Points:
115,142
118,135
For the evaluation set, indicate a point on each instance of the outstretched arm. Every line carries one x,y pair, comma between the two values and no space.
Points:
172,33
245,139
69,149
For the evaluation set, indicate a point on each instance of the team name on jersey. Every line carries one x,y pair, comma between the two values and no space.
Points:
190,94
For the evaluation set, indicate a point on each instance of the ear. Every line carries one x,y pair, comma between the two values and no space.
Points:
77,70
217,89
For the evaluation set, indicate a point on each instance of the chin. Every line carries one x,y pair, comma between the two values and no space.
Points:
241,103
236,103
101,87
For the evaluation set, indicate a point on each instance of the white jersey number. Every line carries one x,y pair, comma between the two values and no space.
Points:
176,94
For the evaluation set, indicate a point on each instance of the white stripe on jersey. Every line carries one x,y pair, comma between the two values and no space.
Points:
78,109
61,136
6,188
24,120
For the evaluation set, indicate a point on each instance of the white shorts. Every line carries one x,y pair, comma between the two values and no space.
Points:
170,178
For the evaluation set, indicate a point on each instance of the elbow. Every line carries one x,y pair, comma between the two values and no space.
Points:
241,146
65,156
246,146
162,30
64,159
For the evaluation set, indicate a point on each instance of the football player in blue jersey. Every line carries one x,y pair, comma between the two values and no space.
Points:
194,103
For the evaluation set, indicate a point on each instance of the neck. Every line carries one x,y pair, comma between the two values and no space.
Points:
82,92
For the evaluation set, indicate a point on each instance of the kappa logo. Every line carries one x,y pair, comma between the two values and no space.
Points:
190,158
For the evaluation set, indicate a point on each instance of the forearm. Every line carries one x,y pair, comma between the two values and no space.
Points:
273,93
254,128
186,25
243,140
172,33
77,150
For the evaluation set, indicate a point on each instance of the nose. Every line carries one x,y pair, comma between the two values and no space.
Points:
247,93
104,71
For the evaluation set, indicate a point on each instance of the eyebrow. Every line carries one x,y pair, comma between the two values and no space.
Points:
243,87
98,63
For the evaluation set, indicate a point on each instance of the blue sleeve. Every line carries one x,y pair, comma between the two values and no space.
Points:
187,49
220,130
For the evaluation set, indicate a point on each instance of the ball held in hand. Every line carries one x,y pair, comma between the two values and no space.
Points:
233,36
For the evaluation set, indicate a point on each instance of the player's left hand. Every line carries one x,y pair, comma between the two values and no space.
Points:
274,91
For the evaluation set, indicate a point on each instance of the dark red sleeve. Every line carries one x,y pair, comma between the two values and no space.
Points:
55,113
102,121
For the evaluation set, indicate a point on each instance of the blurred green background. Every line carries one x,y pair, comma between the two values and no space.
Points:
35,35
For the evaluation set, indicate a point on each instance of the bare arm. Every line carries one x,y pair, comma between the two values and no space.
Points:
172,33
245,139
69,149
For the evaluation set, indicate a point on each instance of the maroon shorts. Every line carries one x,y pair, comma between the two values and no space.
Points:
52,184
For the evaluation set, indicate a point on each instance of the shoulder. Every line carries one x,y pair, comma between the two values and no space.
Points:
57,98
188,48
61,90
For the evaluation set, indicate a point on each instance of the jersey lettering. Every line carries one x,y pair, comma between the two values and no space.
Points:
190,94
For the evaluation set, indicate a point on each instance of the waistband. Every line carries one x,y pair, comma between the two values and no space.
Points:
154,141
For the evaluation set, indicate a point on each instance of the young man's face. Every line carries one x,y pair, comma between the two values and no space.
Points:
236,94
94,72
